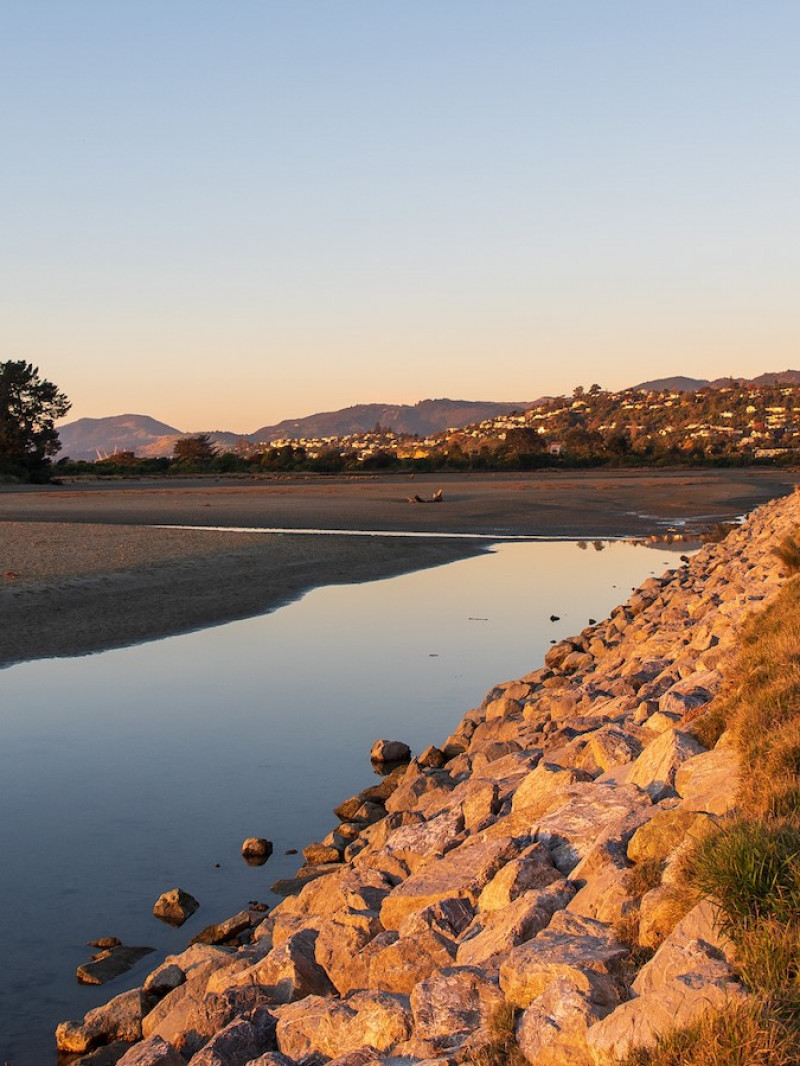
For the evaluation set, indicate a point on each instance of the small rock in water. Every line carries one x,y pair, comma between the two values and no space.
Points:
256,850
390,751
105,942
555,618
290,851
108,964
175,906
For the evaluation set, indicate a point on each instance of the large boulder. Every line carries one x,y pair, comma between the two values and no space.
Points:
339,948
656,767
463,872
495,932
119,1019
686,978
235,1045
572,946
592,817
332,1027
532,870
553,1029
152,1052
452,1004
709,781
288,972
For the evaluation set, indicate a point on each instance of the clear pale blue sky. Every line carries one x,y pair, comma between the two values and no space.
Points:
226,213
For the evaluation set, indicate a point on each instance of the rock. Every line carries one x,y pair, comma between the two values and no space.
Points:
655,769
609,746
74,1037
291,886
235,1045
105,942
188,1017
494,933
401,965
463,872
152,1052
553,1029
272,1058
504,707
572,947
256,850
175,906
545,788
605,896
709,781
339,948
108,964
322,853
689,694
109,1055
384,751
453,1003
288,972
163,980
331,1027
533,869
222,931
433,757
410,846
592,818
685,978
118,1020
659,837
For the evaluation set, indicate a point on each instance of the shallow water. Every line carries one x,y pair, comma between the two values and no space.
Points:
132,771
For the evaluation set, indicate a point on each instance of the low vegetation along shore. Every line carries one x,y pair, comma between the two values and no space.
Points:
600,865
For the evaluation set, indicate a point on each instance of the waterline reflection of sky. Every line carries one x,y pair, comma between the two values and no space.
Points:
131,771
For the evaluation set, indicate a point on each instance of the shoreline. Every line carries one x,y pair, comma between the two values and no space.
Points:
494,872
84,569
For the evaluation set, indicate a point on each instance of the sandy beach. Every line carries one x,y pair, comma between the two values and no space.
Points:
86,566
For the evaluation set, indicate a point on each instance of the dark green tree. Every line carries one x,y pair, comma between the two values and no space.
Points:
196,451
29,406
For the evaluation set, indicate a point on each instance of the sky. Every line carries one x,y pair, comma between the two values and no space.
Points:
223,214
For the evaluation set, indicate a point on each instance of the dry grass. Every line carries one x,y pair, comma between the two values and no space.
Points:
644,876
788,551
502,1049
747,1034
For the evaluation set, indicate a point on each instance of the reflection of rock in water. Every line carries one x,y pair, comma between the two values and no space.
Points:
582,545
598,545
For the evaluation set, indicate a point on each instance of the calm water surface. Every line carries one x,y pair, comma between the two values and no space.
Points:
132,771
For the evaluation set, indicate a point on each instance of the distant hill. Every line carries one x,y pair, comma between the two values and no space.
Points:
780,377
674,384
92,438
427,416
684,384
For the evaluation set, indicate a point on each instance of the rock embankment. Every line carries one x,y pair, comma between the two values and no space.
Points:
499,870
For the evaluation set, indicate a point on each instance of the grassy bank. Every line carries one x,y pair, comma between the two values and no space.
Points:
750,864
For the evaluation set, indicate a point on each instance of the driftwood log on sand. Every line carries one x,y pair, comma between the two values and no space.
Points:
437,497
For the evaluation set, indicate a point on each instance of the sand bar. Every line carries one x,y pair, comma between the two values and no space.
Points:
87,566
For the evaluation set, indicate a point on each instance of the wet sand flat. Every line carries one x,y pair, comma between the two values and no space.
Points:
83,566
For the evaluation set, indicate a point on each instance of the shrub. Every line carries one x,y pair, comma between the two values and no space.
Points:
788,551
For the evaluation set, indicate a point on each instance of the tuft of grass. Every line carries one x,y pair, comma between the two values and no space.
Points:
768,959
751,870
502,1048
754,1033
788,552
644,876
